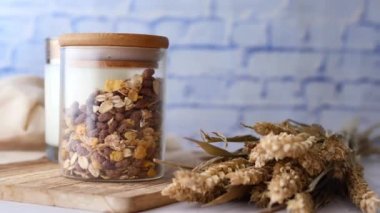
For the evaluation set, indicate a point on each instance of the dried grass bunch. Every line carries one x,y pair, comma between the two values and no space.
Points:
292,165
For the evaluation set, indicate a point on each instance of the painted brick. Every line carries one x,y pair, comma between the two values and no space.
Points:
343,10
147,9
93,25
296,32
283,93
132,26
320,93
363,38
174,29
326,34
10,33
246,9
91,8
245,93
188,121
51,26
195,62
196,91
24,8
176,91
284,64
250,34
201,91
360,95
277,115
30,58
289,33
373,11
337,119
353,66
208,32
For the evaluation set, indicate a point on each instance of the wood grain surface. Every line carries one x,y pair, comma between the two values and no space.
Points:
39,182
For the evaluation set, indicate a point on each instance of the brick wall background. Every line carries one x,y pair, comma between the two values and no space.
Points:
230,61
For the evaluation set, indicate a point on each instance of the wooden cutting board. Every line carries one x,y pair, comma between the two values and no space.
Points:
39,182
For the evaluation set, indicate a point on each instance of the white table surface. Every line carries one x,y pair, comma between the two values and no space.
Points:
372,172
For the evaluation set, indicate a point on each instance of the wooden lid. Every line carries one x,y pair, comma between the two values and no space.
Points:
114,39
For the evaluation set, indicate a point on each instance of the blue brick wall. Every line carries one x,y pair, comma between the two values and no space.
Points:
229,60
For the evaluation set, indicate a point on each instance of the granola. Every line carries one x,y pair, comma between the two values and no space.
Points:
116,134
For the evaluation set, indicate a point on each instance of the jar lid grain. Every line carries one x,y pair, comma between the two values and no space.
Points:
114,39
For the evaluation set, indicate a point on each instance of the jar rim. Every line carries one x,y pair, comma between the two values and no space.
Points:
114,39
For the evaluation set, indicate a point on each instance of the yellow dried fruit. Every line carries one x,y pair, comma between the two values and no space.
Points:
133,95
148,131
113,85
96,165
130,135
80,130
149,164
116,156
140,152
130,122
92,141
151,172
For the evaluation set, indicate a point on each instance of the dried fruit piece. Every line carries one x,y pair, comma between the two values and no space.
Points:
140,152
133,95
128,103
130,135
152,172
113,85
116,156
302,203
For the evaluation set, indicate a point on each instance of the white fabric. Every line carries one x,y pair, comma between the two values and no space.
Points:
21,112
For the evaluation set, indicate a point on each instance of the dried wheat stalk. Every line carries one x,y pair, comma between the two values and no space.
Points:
293,165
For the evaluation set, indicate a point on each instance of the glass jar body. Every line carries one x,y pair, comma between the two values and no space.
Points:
112,114
52,98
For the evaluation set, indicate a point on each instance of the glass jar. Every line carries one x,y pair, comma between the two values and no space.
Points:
52,97
112,117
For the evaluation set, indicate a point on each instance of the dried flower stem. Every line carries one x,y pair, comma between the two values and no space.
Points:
211,177
248,176
259,195
287,180
279,147
360,193
301,203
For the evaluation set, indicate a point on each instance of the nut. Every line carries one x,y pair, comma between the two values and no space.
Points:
105,117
